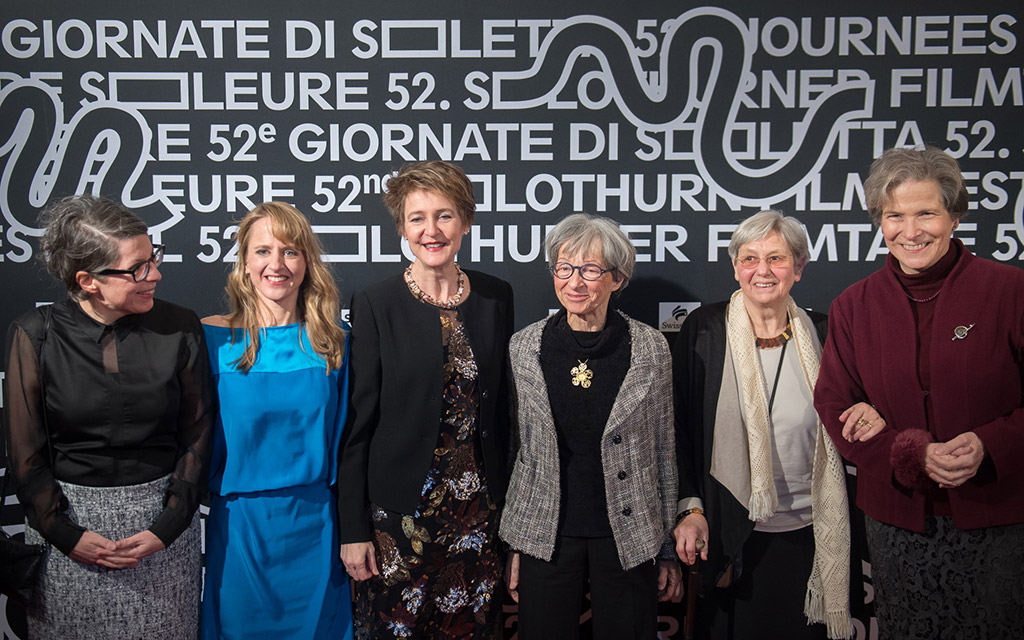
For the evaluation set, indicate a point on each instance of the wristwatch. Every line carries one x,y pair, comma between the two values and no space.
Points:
687,512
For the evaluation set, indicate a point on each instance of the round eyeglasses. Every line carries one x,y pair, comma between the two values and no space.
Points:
590,272
141,270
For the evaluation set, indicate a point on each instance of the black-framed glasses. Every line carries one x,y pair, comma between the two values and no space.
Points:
141,270
589,272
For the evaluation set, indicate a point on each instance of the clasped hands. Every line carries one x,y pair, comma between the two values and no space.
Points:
955,461
94,549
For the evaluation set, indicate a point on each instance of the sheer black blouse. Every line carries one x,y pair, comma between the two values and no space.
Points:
126,403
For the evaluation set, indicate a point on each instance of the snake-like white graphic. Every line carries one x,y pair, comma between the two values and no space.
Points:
103,149
680,96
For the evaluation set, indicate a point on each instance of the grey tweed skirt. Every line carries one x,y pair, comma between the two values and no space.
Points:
158,599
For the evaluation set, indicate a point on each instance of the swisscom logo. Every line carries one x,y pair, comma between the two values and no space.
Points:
672,314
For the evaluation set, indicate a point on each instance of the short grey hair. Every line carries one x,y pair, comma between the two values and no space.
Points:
81,234
758,226
577,232
896,166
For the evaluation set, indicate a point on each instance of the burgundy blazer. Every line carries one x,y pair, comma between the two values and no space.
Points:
976,385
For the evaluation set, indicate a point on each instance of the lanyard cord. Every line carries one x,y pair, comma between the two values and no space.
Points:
778,374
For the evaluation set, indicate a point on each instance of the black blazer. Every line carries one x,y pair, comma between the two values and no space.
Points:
395,385
698,359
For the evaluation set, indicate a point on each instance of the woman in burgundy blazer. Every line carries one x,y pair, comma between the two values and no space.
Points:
935,341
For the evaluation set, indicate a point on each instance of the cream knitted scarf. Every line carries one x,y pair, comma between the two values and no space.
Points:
827,598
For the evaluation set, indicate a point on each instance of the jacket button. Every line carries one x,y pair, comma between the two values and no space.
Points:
622,475
484,394
483,434
627,512
617,439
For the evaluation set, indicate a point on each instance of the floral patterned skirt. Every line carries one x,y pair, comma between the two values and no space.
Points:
440,568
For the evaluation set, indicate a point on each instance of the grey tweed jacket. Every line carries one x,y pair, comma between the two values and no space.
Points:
637,453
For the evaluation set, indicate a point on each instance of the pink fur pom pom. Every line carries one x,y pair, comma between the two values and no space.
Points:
907,458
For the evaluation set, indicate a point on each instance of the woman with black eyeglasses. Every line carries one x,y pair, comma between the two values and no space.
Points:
592,497
109,414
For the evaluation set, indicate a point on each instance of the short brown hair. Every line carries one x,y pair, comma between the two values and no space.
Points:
896,166
444,178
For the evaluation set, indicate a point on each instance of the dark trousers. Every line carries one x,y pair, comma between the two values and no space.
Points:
624,604
767,600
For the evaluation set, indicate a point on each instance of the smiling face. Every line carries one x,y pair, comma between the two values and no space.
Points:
276,268
585,301
433,227
916,225
117,295
766,270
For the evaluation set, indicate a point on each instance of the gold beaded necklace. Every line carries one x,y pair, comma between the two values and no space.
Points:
423,296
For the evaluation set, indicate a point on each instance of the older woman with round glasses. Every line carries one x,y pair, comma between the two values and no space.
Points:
754,460
593,489
109,418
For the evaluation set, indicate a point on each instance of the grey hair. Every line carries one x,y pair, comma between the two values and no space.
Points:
577,232
759,225
81,234
896,166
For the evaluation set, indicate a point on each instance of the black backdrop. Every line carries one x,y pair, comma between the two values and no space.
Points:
678,121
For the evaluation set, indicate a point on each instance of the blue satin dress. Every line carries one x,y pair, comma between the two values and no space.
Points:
272,564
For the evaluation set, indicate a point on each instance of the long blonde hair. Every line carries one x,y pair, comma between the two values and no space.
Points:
319,303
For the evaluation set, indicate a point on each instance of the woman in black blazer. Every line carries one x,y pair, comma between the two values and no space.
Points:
422,474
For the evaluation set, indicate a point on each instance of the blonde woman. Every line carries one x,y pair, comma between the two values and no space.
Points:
278,359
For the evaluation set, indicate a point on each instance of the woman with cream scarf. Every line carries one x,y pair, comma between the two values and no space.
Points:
754,460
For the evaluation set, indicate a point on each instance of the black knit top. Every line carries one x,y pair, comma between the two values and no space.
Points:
581,413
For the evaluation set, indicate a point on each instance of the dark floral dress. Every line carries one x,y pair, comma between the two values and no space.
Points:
441,567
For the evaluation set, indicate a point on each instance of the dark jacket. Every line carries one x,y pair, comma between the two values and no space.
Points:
396,382
697,360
